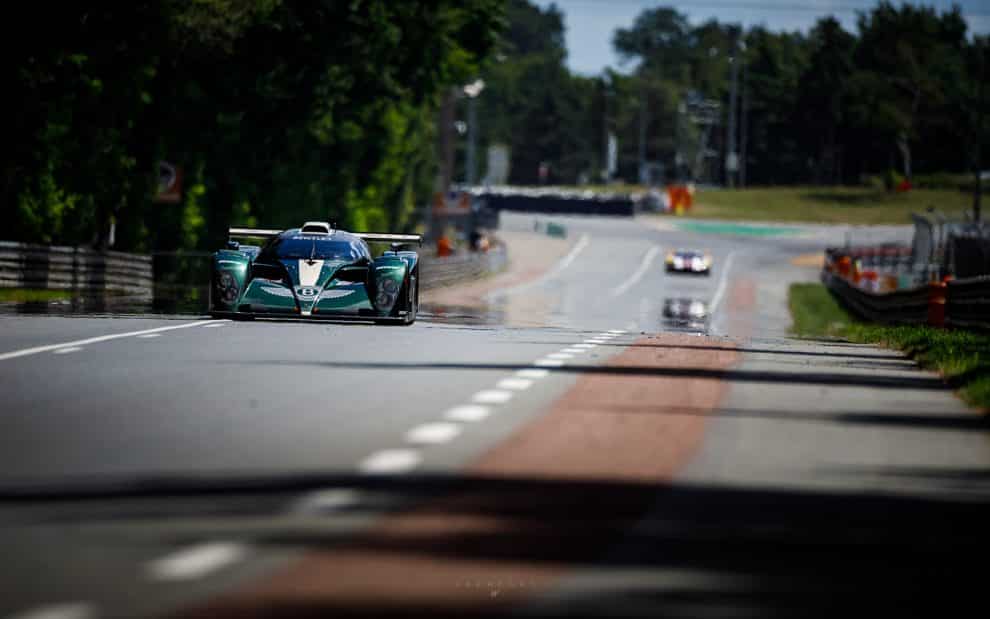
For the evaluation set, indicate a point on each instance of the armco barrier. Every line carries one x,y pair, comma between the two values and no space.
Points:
80,269
437,272
560,204
960,303
967,302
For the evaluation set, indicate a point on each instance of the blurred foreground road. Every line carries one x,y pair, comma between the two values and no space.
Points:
552,446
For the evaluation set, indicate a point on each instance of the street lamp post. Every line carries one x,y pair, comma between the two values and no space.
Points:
472,91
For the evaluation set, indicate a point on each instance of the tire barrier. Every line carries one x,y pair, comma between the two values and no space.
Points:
86,271
574,203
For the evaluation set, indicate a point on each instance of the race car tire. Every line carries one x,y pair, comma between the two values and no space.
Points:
412,304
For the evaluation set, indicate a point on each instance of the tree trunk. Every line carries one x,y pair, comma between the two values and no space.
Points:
905,148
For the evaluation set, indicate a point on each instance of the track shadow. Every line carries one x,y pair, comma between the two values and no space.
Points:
837,379
653,549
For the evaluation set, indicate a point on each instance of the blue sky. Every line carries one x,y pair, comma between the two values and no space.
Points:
590,23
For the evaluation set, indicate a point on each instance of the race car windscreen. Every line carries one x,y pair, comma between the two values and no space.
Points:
318,247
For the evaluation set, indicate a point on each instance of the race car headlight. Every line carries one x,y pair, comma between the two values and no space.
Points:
678,262
390,286
227,287
384,299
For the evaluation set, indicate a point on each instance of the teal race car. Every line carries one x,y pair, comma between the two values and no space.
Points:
316,271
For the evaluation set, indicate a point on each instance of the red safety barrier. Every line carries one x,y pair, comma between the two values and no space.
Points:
936,304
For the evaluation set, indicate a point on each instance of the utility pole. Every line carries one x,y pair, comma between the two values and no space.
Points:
743,126
472,91
643,104
730,138
605,84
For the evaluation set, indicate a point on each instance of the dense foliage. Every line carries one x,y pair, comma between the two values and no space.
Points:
904,95
276,111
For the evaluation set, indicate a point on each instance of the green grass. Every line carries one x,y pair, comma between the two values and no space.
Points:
29,295
962,357
854,205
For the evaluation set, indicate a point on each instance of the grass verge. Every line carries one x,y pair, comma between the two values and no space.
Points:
852,205
962,357
30,295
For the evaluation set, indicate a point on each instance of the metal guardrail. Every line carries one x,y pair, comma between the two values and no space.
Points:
436,272
87,271
960,303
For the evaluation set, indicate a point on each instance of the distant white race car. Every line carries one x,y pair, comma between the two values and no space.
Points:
689,261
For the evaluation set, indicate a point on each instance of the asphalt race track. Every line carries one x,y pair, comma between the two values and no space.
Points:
182,466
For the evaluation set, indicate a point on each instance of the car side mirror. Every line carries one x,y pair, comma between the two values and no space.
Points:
233,245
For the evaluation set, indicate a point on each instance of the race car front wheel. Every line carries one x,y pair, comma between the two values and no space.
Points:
412,304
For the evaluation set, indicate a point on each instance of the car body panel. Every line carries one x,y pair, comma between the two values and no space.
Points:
337,279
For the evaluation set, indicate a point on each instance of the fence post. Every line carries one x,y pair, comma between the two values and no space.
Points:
936,304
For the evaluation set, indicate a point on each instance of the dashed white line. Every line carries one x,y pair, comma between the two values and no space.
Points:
548,363
390,461
638,273
596,341
469,412
585,346
94,340
618,331
68,610
196,561
514,384
65,351
574,351
532,373
560,355
433,433
492,396
321,501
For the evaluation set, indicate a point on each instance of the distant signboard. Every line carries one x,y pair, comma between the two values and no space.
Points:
169,184
497,172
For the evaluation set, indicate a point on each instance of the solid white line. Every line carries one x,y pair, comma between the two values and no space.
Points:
65,351
638,274
585,346
514,384
150,335
548,363
596,340
533,373
492,396
564,262
213,325
618,331
93,340
196,561
560,355
69,610
321,501
574,351
433,433
722,283
469,412
390,461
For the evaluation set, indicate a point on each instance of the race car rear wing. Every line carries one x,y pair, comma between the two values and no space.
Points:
390,238
252,233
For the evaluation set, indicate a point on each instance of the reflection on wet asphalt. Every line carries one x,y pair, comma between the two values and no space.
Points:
686,314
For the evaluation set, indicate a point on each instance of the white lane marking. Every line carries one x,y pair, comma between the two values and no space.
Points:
585,346
320,501
564,262
596,340
196,561
638,274
618,331
560,355
548,363
65,351
533,373
514,384
433,433
390,461
492,396
68,610
213,325
469,412
722,283
574,351
94,340
151,335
